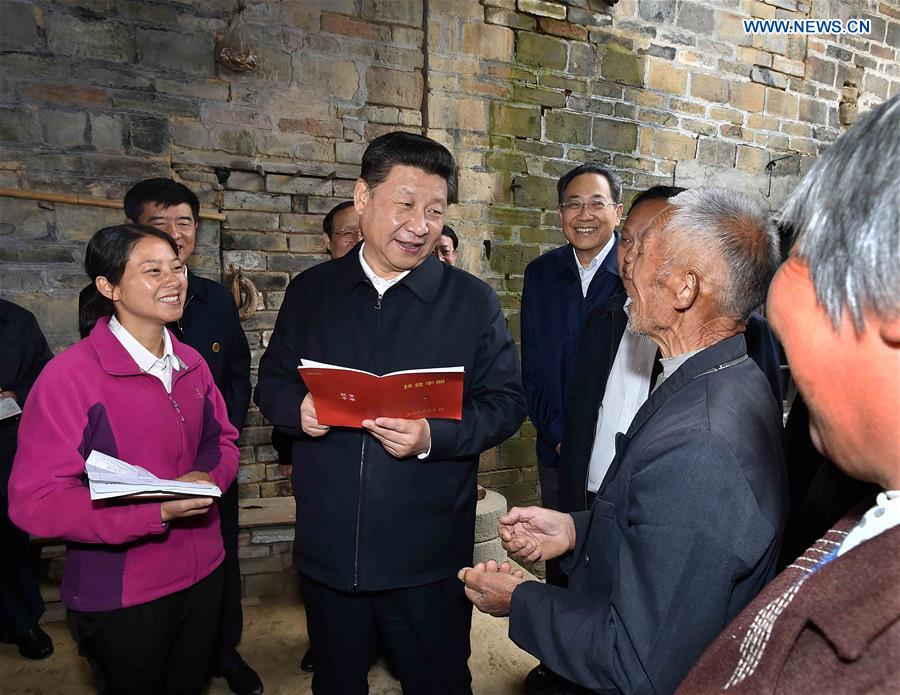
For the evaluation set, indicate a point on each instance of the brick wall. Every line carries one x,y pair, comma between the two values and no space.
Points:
97,94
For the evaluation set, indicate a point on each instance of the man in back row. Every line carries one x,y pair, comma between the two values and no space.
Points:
210,324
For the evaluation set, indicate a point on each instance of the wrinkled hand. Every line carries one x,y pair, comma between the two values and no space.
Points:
534,533
308,421
399,437
490,586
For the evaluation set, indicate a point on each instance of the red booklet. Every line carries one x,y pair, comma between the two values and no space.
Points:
345,397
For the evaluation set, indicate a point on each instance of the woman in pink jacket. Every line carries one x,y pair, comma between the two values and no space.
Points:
142,580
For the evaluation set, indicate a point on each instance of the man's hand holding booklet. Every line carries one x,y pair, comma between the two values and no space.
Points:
108,477
344,397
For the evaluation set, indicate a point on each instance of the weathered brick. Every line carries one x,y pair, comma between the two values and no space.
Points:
255,241
149,134
615,136
717,153
508,18
254,221
512,258
760,122
279,183
665,77
20,31
534,95
394,87
721,113
565,30
622,65
781,104
697,126
709,88
488,41
542,8
695,17
175,52
406,13
242,200
305,243
674,145
582,60
812,111
91,38
657,11
331,23
819,70
519,121
746,96
64,128
562,126
751,159
768,77
541,51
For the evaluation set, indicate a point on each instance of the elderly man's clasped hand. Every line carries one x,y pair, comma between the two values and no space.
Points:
528,534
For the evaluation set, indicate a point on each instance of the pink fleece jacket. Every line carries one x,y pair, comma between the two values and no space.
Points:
94,396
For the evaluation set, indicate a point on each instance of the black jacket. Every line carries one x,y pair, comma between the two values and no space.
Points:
600,340
23,354
683,533
210,324
365,520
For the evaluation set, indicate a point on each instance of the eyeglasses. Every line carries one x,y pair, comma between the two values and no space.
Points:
575,206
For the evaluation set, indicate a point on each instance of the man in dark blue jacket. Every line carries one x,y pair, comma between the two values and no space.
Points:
593,416
686,526
209,324
386,511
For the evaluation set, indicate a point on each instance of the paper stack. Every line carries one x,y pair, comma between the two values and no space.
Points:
8,408
109,477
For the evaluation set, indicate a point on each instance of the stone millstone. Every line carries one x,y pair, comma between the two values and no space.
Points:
487,516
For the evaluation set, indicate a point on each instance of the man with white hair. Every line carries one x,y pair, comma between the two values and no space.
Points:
685,528
831,621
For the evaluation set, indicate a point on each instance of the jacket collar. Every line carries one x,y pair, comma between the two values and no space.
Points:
114,358
568,262
196,288
424,280
723,354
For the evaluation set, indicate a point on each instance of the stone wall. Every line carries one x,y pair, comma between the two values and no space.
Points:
97,94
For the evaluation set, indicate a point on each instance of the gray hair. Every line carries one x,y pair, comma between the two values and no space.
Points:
846,217
733,229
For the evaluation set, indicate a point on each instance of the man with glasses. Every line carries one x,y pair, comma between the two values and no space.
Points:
340,229
561,287
446,247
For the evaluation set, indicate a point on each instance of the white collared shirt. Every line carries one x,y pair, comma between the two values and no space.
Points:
883,516
587,274
381,285
626,390
160,367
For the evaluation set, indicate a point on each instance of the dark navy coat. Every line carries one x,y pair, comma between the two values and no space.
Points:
684,532
553,310
367,521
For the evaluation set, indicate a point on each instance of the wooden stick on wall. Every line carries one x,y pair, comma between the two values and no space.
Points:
79,200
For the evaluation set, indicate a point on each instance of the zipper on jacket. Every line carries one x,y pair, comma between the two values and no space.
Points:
362,469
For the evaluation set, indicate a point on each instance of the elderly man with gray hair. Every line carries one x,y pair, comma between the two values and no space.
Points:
686,525
831,621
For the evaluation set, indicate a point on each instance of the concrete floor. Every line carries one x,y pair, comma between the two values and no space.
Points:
274,640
